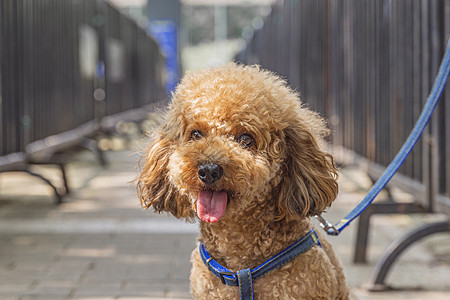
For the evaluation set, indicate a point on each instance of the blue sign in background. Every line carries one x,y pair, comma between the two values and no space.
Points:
165,33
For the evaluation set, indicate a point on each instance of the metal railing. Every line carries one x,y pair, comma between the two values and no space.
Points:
368,66
69,69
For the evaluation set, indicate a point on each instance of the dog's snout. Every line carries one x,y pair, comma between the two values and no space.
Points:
210,173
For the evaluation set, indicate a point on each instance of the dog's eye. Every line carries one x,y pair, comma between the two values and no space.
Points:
196,135
246,140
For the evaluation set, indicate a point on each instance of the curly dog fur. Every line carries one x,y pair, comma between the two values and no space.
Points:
266,174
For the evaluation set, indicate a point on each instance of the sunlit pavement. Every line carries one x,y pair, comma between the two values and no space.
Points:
99,244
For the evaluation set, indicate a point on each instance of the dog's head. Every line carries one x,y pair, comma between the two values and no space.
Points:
234,138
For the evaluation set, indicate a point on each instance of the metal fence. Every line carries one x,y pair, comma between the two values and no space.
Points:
368,66
68,69
55,54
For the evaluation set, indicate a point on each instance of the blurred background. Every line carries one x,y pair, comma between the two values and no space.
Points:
205,33
83,83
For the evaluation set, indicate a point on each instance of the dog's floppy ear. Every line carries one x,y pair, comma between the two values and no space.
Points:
309,183
153,185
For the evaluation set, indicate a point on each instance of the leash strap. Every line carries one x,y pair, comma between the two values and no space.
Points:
244,278
393,167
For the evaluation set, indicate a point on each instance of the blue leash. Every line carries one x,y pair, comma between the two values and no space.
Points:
393,167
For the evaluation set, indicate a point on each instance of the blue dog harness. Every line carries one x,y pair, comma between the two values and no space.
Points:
244,278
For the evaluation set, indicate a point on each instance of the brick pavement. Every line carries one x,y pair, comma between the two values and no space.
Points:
99,244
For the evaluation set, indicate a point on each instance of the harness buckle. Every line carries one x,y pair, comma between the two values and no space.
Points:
221,274
327,226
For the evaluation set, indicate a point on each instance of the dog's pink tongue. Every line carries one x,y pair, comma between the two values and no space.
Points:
211,205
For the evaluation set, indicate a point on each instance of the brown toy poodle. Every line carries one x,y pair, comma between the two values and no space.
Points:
239,151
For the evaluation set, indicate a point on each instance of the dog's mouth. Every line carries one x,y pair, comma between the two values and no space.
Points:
211,205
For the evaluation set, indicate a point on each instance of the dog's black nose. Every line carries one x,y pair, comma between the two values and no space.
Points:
210,173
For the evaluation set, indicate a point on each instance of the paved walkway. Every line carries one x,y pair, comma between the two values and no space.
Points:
99,244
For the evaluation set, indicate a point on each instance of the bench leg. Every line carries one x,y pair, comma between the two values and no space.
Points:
386,261
62,167
59,197
362,237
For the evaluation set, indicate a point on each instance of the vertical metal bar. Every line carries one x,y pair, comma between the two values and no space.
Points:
445,120
425,88
416,85
326,58
436,54
19,101
2,41
101,94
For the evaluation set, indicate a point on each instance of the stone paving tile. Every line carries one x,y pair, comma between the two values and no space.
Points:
179,290
5,297
150,289
62,288
407,295
99,290
9,289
